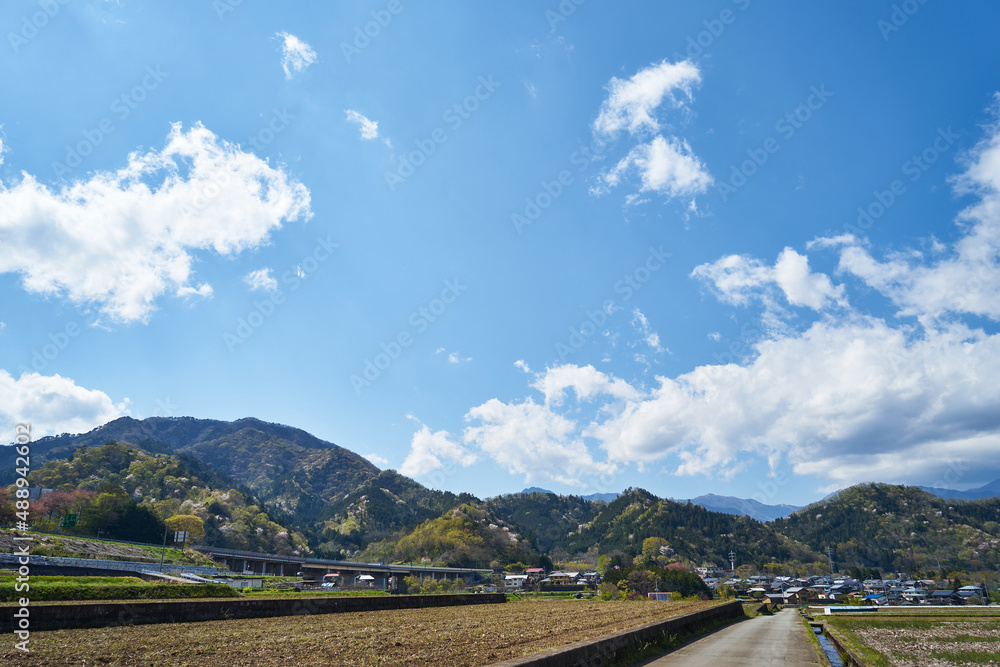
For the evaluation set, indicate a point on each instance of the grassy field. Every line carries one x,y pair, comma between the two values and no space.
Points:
453,636
70,546
51,589
927,640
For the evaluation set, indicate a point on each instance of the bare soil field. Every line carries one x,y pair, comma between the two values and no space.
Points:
452,636
944,641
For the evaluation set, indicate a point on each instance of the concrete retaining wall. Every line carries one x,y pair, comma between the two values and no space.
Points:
599,652
101,614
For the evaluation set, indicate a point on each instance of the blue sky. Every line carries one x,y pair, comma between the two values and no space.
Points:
735,247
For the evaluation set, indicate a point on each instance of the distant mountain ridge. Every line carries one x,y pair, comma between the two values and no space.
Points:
604,497
991,490
744,507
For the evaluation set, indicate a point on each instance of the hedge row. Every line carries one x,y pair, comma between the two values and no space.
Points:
73,591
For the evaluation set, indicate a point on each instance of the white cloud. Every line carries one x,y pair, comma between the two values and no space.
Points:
52,405
850,397
261,279
455,358
121,239
296,55
531,440
641,324
665,166
375,459
369,128
429,451
586,382
631,103
738,279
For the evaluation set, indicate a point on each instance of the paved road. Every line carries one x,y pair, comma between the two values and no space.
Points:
766,640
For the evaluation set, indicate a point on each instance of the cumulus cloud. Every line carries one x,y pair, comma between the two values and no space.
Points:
631,103
665,165
532,440
296,55
369,128
52,405
121,239
847,397
261,279
739,279
430,451
586,382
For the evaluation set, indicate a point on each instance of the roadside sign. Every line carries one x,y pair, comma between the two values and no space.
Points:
69,520
181,535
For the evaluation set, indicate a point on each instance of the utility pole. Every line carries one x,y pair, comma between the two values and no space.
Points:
732,561
829,555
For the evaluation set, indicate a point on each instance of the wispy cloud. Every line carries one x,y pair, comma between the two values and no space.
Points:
368,127
296,55
261,279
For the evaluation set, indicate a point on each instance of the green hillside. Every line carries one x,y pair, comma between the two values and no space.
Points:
901,528
696,535
465,536
156,487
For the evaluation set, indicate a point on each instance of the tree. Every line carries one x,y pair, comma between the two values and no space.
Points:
651,547
7,512
641,582
189,522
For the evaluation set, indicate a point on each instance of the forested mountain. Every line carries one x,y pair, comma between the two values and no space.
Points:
544,518
693,533
900,528
270,487
337,499
107,485
466,536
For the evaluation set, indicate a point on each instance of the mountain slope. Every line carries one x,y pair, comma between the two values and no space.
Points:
694,533
900,528
304,482
166,485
